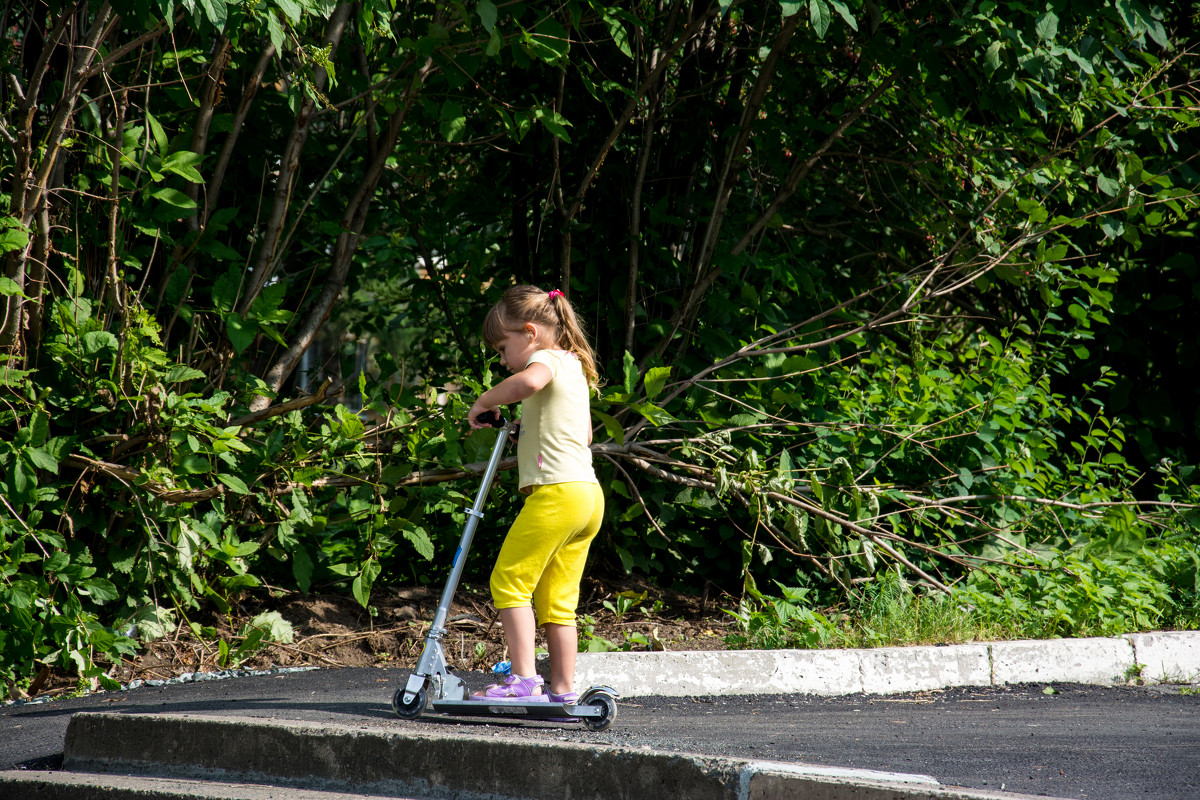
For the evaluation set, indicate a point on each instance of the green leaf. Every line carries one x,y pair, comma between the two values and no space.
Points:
556,124
275,31
844,12
486,10
156,131
215,11
306,475
226,289
991,58
39,428
1153,26
420,541
181,372
41,459
241,332
1081,62
1108,185
361,587
550,41
631,372
174,197
1047,26
454,121
210,246
302,569
10,288
183,163
273,626
13,236
194,464
790,9
95,341
292,10
653,413
818,12
619,36
234,483
1035,210
99,589
655,379
611,425
495,44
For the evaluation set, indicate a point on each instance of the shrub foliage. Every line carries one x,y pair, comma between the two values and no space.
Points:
878,292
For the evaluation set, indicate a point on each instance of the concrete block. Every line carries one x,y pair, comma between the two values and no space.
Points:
58,785
1167,656
890,670
378,761
820,672
765,780
709,673
166,756
1101,661
813,785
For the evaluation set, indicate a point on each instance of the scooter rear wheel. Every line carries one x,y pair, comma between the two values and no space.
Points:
608,712
413,709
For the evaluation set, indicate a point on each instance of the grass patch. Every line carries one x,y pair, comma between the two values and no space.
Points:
889,613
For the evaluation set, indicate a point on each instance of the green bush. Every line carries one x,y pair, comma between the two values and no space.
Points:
1082,592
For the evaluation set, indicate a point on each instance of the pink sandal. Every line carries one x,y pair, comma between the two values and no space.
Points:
569,698
514,687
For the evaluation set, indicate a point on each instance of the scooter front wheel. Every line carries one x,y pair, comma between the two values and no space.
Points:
413,709
608,712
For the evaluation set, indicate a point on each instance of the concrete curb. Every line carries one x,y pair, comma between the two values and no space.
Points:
55,785
380,761
1162,657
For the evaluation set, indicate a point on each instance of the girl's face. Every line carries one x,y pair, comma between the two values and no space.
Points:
516,347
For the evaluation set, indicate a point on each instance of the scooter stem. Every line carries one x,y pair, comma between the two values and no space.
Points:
474,515
432,663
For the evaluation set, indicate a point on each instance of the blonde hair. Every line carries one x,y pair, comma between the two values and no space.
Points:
552,310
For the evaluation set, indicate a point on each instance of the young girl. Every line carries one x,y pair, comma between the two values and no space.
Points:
541,341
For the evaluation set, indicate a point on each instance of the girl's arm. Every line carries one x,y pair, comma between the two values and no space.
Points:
512,389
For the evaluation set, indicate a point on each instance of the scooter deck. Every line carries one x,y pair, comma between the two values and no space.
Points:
511,708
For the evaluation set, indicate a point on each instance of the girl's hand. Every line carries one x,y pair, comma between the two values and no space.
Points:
476,411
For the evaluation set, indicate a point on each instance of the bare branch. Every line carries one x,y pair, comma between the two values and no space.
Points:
352,223
239,120
289,165
164,493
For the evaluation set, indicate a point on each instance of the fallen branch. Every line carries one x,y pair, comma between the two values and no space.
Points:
323,392
138,478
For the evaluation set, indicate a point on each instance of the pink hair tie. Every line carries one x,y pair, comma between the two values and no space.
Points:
553,293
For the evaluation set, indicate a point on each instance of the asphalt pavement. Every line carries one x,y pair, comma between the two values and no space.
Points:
1058,739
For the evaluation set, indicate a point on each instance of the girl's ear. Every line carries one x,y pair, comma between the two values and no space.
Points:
531,330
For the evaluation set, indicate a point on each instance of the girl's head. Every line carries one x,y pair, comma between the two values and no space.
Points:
551,312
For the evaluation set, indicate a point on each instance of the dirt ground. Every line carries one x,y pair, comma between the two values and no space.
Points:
335,631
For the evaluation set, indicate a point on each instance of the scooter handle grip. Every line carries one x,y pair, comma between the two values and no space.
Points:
492,418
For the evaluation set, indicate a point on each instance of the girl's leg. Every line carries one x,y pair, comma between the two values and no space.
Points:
528,547
520,628
563,643
557,593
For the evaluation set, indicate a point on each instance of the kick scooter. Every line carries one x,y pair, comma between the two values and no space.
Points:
434,679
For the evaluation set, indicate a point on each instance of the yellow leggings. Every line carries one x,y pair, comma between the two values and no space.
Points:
544,553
